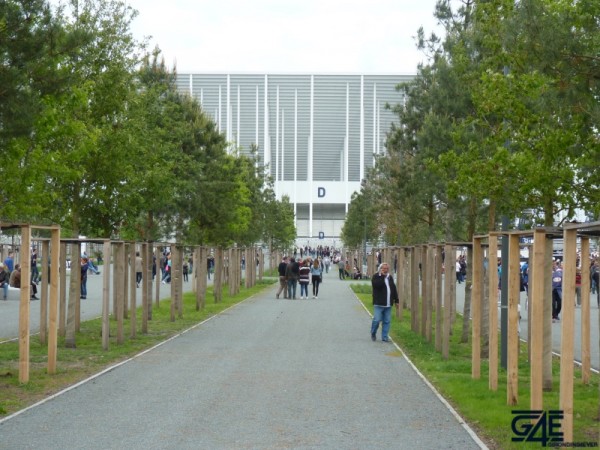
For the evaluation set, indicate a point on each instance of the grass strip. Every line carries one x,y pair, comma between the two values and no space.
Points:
486,411
88,358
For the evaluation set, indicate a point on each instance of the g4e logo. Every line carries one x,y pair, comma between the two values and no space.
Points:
537,426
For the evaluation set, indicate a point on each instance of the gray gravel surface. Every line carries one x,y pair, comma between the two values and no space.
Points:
266,374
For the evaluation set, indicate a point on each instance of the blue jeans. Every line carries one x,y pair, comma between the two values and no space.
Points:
304,289
292,288
381,314
84,288
5,287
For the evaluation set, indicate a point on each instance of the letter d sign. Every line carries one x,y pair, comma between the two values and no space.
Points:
321,192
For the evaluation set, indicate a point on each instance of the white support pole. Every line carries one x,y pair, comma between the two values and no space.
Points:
310,154
282,175
295,157
219,111
191,86
362,127
267,146
237,134
277,142
346,147
228,117
374,149
257,112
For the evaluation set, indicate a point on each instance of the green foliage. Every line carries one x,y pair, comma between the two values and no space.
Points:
503,118
97,138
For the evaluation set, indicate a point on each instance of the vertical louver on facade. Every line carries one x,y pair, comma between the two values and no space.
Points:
317,133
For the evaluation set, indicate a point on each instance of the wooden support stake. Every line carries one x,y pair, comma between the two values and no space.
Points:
476,309
24,305
53,277
514,282
493,310
448,283
44,294
567,332
106,251
585,311
133,286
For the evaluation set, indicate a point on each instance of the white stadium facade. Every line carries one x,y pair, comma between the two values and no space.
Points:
316,133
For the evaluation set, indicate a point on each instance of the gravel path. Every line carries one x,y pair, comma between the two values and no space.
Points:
266,374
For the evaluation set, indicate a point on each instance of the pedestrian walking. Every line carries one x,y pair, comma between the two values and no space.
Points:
282,281
304,278
385,295
316,272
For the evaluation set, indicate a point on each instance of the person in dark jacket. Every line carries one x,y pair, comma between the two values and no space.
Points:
282,281
85,266
4,280
385,295
15,281
292,273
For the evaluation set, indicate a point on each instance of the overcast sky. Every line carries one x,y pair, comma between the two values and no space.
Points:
266,36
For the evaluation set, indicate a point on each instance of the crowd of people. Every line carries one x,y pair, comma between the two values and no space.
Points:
303,272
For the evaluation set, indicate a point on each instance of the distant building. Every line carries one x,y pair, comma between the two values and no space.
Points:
317,133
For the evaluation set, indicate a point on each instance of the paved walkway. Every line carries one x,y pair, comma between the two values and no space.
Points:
266,374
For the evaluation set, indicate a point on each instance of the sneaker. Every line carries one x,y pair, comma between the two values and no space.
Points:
385,340
33,297
317,298
373,337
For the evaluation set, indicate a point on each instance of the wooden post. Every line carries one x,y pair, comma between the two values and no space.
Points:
173,304
24,304
119,281
74,295
196,275
424,289
106,251
133,286
400,280
536,299
514,282
585,311
414,288
430,256
76,265
53,277
202,276
158,251
147,253
62,313
233,256
219,274
493,310
567,331
448,283
116,282
44,293
439,312
476,309
179,281
127,264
